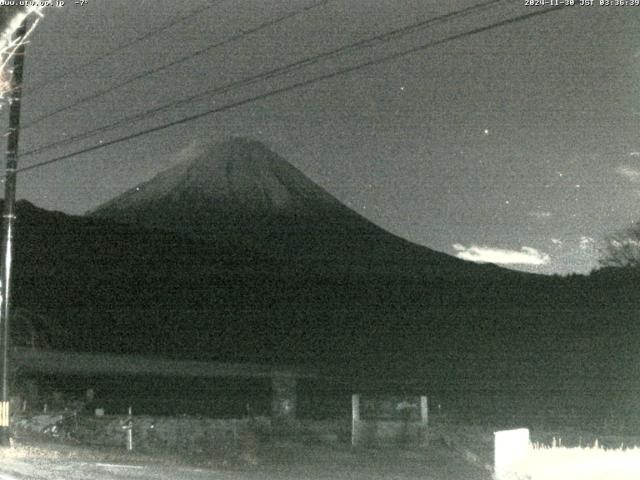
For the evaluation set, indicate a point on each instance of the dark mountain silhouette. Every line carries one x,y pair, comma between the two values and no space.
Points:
347,283
236,256
240,192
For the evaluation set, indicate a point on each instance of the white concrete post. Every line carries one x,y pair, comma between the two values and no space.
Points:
424,417
511,446
424,410
355,419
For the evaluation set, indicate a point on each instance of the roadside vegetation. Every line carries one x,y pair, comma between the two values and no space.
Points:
579,463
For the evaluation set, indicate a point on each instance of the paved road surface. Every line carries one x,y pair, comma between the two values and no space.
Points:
78,470
308,464
436,463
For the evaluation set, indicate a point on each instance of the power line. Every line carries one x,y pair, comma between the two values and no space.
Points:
173,63
269,74
297,85
124,46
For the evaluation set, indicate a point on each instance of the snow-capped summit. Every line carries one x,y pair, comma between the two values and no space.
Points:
238,184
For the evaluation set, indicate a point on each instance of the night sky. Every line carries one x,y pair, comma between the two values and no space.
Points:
517,145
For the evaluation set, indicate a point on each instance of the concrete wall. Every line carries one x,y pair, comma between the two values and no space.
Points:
389,420
390,432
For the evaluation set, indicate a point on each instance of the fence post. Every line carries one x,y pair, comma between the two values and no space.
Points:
424,417
424,410
283,401
128,427
355,419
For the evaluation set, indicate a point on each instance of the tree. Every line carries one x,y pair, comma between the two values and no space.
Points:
622,248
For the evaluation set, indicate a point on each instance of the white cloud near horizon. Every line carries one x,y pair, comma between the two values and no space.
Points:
587,243
626,242
524,256
632,174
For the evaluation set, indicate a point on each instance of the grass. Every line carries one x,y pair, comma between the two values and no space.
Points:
578,456
578,463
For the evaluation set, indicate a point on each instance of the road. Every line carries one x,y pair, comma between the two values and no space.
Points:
434,463
79,470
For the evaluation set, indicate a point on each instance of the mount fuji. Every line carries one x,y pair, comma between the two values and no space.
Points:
241,192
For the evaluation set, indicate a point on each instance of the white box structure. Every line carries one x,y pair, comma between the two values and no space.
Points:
511,446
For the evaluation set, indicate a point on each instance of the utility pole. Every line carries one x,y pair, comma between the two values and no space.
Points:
8,217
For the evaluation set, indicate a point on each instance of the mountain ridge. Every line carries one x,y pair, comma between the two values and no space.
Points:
240,192
111,287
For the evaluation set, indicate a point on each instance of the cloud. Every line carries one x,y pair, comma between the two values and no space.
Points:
587,243
540,214
526,255
632,174
556,241
627,242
